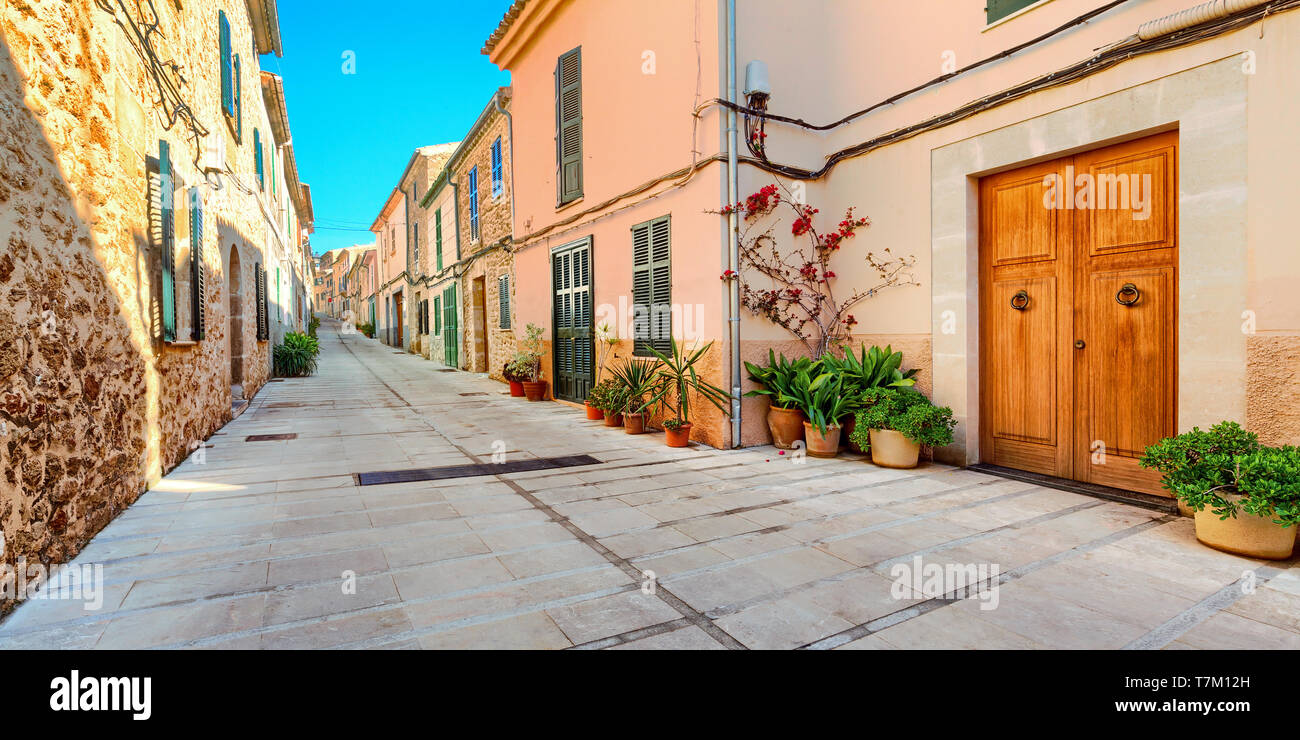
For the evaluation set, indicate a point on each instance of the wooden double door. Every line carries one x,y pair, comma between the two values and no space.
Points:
1078,313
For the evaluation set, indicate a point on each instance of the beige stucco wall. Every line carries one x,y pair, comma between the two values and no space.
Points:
93,405
1237,165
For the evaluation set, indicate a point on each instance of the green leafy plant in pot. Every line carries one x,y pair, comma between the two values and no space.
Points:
679,380
1246,497
784,418
823,401
516,372
609,396
872,368
532,351
641,382
606,341
897,422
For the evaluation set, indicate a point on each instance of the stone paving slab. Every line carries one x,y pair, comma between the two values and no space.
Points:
274,545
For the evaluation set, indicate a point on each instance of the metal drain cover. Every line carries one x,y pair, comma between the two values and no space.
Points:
269,437
473,469
474,394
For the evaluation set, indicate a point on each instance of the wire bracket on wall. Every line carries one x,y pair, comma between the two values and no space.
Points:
167,76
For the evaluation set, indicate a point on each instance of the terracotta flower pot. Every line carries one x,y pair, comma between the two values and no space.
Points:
634,423
679,437
786,426
593,413
850,423
822,445
516,389
613,420
536,391
890,449
1245,534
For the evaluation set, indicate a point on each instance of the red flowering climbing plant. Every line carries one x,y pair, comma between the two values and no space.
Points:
799,294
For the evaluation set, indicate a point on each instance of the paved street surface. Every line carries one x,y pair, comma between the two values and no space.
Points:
273,544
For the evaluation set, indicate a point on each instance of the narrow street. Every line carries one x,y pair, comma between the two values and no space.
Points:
273,544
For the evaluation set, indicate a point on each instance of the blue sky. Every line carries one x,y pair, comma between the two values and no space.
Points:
420,80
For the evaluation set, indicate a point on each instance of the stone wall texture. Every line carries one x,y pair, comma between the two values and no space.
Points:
94,406
1272,387
486,346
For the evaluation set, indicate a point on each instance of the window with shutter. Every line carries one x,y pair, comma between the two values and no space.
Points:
198,274
416,243
227,78
568,127
437,229
257,158
437,315
167,232
652,287
473,204
279,316
498,178
503,300
263,330
239,100
996,10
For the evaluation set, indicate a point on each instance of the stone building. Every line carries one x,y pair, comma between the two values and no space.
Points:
424,165
469,293
138,236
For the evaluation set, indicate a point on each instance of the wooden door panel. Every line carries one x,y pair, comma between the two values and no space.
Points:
1025,355
1134,198
1022,227
1128,353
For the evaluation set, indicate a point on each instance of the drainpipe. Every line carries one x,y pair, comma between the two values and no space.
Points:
733,225
1213,10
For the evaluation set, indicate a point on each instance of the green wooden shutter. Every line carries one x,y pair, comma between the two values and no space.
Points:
568,126
995,10
239,101
227,79
198,272
503,300
278,315
450,326
167,188
652,286
257,158
263,331
437,314
437,229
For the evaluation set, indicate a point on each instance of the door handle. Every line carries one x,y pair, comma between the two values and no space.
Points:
1020,301
1128,295
1079,344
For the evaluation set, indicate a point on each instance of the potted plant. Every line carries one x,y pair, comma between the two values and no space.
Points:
609,397
1246,497
874,368
822,400
640,379
516,372
679,378
534,385
606,341
896,422
784,419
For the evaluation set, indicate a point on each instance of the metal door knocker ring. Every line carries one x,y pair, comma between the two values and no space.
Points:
1129,289
1020,301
